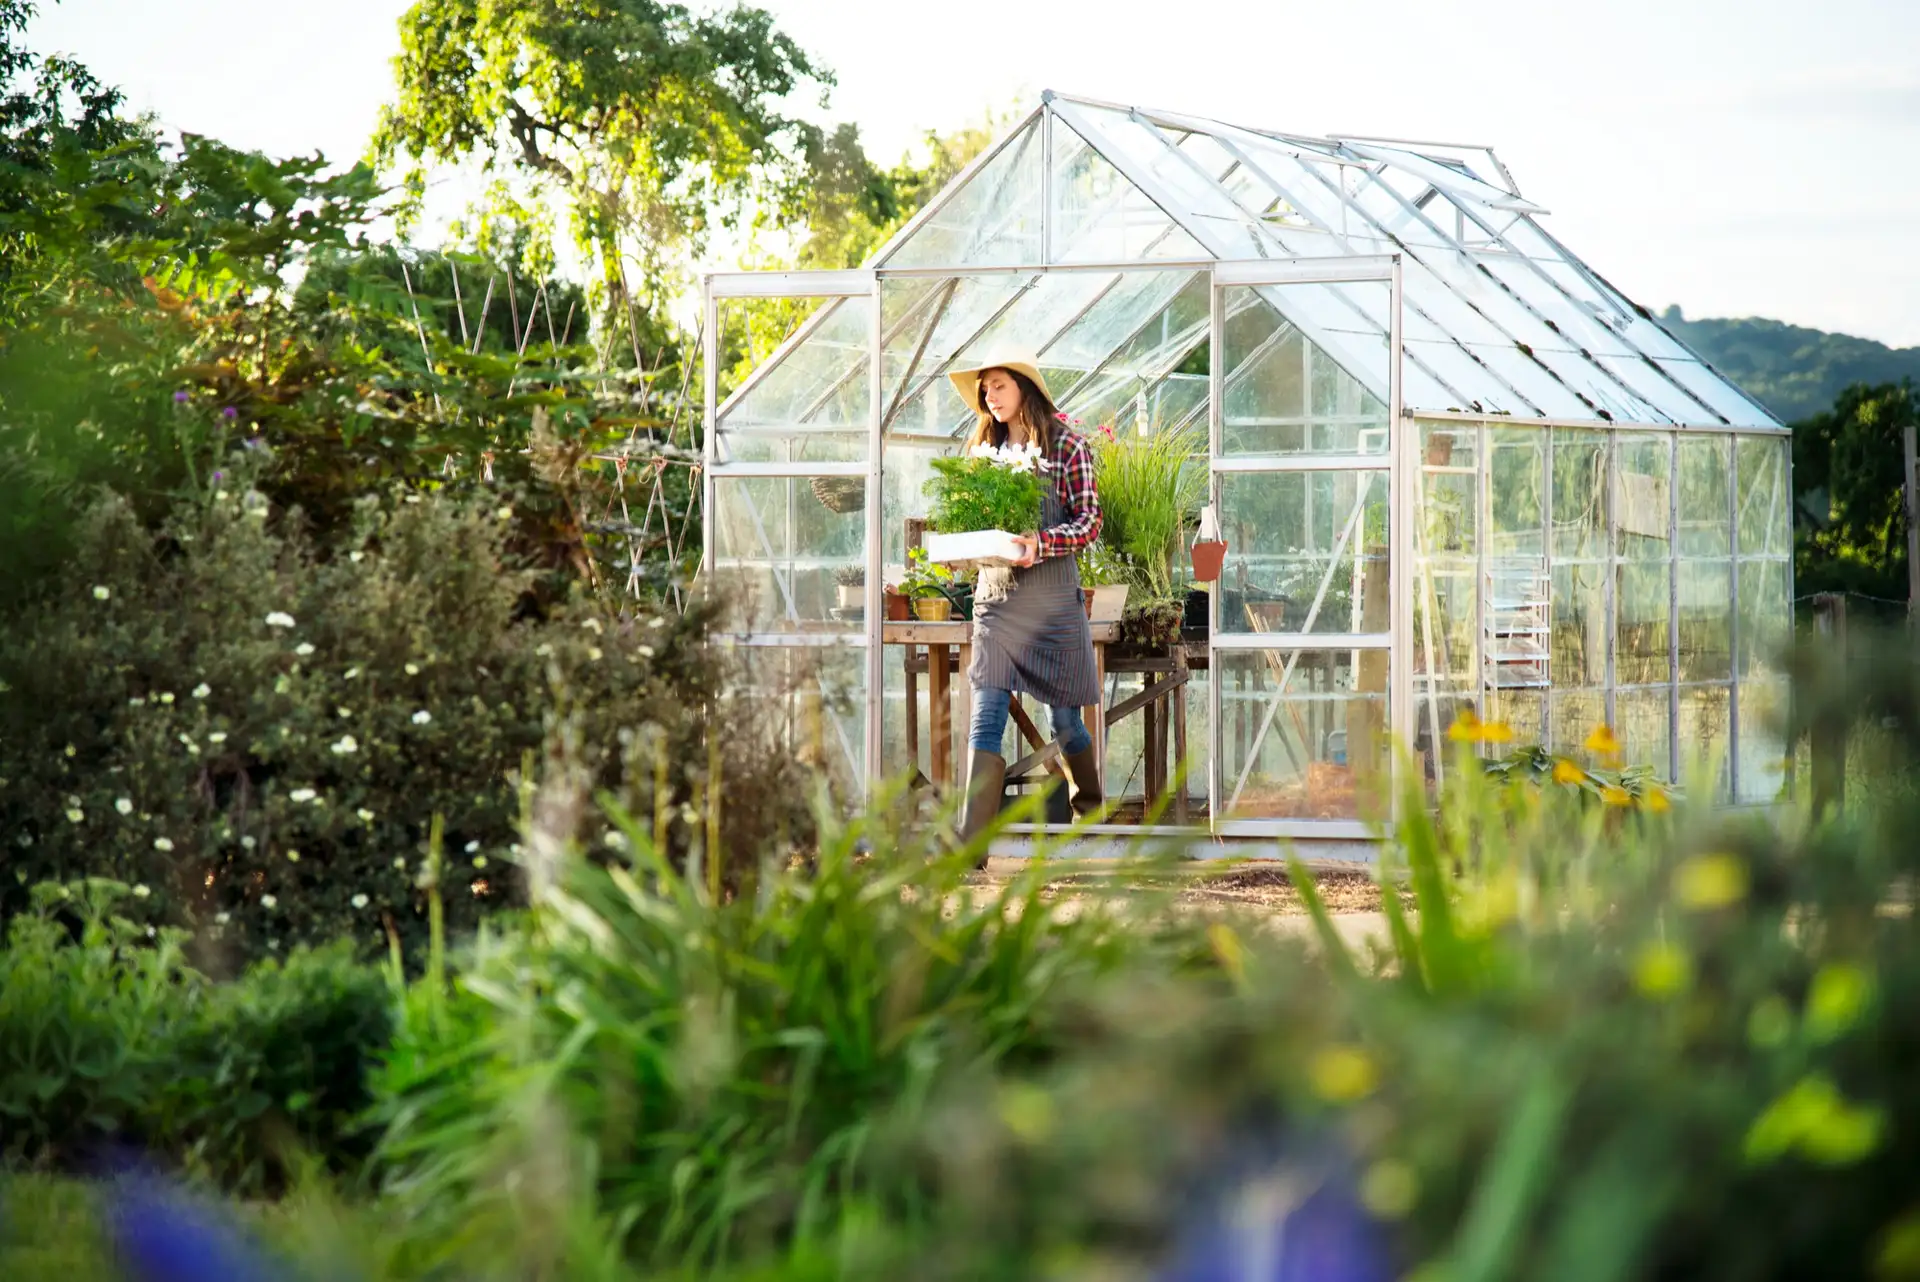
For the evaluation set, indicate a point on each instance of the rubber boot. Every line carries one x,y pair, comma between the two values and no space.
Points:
1083,779
986,786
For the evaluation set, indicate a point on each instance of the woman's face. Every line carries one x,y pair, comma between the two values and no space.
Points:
1002,393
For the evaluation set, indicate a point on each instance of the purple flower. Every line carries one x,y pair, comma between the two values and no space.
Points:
180,397
229,412
165,1236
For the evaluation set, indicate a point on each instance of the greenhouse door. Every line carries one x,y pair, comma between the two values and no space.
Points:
1308,687
792,472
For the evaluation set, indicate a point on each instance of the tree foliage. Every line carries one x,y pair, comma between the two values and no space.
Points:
1849,492
1796,371
648,118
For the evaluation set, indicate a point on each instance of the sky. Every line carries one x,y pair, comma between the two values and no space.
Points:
1737,157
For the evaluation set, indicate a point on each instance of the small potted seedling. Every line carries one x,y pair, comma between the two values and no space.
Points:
852,582
926,585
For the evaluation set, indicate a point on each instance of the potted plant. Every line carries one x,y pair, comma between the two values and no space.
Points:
1151,489
851,580
926,585
1104,578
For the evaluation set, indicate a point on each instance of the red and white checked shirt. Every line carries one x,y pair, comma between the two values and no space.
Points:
1072,462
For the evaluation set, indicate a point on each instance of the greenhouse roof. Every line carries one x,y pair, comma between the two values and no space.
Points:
1498,317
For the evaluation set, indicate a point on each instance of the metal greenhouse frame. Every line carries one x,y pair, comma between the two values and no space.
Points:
1459,470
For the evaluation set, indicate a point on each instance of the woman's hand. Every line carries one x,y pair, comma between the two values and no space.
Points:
1030,545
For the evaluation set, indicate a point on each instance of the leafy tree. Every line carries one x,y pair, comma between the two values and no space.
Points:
1794,370
646,117
1848,491
854,205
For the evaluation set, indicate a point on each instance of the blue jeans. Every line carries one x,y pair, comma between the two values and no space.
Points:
990,712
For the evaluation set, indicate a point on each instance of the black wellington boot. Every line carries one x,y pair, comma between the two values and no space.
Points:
986,786
1083,778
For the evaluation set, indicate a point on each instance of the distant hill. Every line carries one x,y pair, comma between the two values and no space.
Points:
1796,372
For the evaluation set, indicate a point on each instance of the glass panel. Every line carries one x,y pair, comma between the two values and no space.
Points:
1432,719
817,382
778,546
1101,216
1449,498
1522,711
1579,494
1760,754
992,221
1126,777
1306,552
909,466
1579,625
815,697
1443,624
1643,608
1705,514
1766,617
1642,722
1726,400
1305,734
1296,385
1137,304
1706,736
1766,514
1195,199
1642,505
1706,620
1516,489
1576,714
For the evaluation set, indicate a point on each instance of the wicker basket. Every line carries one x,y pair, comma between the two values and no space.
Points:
842,494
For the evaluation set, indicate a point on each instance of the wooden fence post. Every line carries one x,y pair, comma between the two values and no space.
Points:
1828,732
1910,453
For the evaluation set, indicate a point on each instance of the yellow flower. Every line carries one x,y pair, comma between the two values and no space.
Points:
1706,882
1342,1074
1495,732
1662,971
1565,771
1602,741
1389,1189
1615,795
1467,728
1656,801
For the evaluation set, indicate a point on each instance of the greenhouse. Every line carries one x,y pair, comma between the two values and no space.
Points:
1460,478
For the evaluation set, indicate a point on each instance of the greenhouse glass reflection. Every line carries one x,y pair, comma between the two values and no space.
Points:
1455,470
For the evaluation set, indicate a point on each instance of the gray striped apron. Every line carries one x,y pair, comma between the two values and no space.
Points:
1036,642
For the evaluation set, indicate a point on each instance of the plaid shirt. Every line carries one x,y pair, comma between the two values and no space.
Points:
1072,462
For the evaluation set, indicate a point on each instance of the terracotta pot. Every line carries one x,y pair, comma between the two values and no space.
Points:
1086,599
899,609
1208,557
933,609
1440,449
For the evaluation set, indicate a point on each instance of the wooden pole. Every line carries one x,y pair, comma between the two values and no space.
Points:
1910,453
1829,733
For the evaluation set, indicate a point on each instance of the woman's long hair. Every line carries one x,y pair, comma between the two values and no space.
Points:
1036,411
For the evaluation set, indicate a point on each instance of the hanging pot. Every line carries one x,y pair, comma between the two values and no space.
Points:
1209,549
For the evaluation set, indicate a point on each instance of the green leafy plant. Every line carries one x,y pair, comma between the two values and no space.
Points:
994,490
925,578
1150,495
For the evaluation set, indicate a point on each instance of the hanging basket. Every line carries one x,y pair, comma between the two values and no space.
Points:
842,494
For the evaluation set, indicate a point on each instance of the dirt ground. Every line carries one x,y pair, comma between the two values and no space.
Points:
1259,886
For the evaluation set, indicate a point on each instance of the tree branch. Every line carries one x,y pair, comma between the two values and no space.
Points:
522,125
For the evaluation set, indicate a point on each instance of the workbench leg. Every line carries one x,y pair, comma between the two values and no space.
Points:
1155,735
1096,716
963,697
940,715
1181,764
913,707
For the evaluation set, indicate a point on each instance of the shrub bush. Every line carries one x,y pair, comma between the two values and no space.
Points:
108,1037
258,731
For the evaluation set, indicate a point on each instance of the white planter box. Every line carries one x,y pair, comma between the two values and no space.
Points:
976,547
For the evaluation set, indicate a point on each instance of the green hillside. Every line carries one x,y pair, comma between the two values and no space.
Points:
1795,371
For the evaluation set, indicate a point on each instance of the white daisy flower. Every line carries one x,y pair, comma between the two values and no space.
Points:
646,652
124,806
543,649
359,901
346,746
422,717
220,919
304,649
356,556
268,901
218,736
280,619
293,856
163,844
141,892
401,864
136,702
248,843
76,816
413,669
202,690
101,592
352,673
343,713
593,653
504,514
366,816
302,794
166,697
472,846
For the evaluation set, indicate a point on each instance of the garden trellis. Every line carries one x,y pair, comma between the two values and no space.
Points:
1458,471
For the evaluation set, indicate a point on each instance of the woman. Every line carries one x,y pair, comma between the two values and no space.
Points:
1035,641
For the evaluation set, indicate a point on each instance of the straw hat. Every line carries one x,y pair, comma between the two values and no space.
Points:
967,381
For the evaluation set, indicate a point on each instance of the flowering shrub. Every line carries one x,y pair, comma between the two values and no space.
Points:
988,488
257,736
